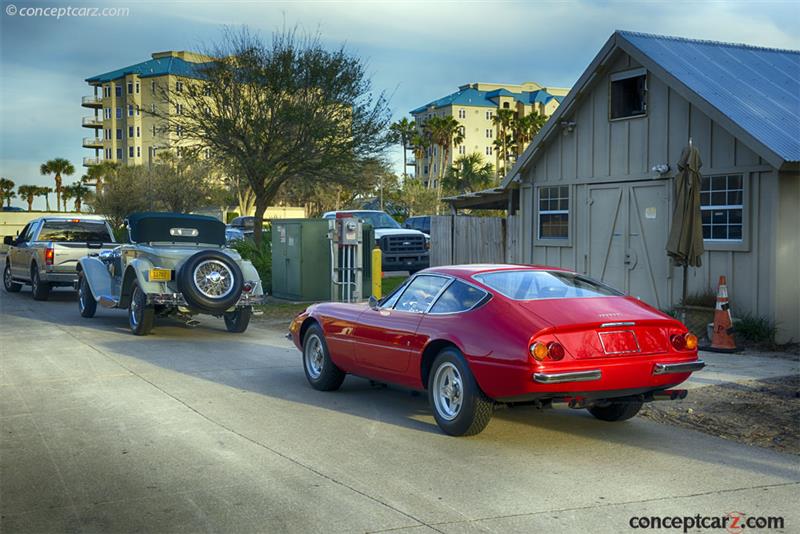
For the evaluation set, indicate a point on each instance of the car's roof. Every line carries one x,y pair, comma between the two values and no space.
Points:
465,271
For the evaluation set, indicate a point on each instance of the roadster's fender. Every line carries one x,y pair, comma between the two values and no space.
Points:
97,275
251,274
135,271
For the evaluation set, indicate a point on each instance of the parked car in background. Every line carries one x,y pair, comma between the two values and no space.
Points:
173,264
402,249
12,208
476,335
244,224
233,234
45,254
419,222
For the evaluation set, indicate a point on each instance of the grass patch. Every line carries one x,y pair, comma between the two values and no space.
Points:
390,284
754,329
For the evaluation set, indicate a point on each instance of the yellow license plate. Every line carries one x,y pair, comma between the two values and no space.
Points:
160,275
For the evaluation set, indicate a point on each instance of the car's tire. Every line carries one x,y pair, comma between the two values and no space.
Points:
41,290
140,314
204,293
320,370
459,406
86,303
237,321
8,281
616,411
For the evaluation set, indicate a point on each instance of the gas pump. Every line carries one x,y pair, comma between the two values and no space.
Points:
346,237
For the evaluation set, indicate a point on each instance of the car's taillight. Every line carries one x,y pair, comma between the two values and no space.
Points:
552,351
248,287
687,341
49,255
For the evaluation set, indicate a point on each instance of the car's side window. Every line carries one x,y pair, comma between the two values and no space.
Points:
420,293
458,297
23,235
391,299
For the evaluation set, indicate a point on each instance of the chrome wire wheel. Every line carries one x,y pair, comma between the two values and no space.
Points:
448,393
314,356
135,314
82,295
213,279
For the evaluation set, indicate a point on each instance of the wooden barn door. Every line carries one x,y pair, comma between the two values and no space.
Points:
627,237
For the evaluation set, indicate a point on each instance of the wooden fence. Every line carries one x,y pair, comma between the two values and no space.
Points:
458,239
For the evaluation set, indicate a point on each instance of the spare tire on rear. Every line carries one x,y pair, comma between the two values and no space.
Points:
210,281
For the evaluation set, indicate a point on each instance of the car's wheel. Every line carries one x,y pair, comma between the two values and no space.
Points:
86,303
140,314
237,321
41,290
616,411
459,406
8,281
210,281
320,370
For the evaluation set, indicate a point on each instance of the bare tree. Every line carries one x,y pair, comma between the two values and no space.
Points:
286,110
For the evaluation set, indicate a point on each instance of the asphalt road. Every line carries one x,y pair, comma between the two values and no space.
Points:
192,430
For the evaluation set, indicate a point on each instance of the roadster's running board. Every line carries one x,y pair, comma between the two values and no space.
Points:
107,301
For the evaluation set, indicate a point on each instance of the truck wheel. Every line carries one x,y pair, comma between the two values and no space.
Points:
8,282
41,290
140,314
459,406
320,370
86,303
210,281
616,411
237,321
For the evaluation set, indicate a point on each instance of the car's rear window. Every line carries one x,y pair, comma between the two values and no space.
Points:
75,231
531,285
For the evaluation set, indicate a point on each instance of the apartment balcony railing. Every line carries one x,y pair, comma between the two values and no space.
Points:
92,142
88,162
92,101
92,122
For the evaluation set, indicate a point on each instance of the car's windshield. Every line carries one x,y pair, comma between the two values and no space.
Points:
75,231
377,219
531,285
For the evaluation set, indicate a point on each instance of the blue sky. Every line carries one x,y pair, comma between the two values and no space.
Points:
416,50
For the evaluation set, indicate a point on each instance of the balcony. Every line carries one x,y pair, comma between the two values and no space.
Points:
92,101
88,162
92,122
92,142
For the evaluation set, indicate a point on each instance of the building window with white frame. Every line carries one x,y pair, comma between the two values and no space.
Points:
462,113
488,151
137,88
489,115
130,110
130,88
462,149
179,86
554,212
489,133
721,207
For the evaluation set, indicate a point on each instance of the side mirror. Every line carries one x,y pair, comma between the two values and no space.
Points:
373,302
8,240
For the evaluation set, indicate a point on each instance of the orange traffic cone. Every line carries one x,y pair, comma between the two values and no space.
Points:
722,339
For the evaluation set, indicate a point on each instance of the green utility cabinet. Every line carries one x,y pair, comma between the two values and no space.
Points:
301,259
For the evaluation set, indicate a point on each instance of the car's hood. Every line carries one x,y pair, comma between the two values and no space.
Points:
380,232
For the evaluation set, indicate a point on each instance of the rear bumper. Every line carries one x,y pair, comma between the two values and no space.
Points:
176,299
597,374
672,368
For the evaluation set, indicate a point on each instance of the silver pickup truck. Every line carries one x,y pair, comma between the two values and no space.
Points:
45,254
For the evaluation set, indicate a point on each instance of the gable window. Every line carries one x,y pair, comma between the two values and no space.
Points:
628,94
721,206
554,212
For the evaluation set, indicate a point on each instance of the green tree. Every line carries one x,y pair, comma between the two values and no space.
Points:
7,190
420,145
45,192
401,132
123,193
28,193
445,133
57,167
183,184
504,119
470,173
417,199
79,192
284,111
525,129
96,174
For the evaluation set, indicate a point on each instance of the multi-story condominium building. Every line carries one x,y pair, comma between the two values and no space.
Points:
474,105
123,102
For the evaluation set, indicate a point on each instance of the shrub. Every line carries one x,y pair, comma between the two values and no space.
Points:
260,256
755,329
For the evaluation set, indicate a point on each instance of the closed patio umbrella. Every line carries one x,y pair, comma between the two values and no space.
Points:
685,244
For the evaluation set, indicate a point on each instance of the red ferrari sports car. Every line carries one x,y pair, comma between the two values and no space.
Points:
476,335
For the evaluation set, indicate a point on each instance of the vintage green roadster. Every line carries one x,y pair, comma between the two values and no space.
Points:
172,264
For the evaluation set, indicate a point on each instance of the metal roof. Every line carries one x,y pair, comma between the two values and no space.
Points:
153,67
473,97
756,88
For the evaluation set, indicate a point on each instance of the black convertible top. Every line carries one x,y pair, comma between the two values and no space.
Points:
166,227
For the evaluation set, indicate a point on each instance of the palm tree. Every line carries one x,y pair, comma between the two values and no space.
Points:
470,173
66,194
6,190
78,191
447,133
503,119
28,192
57,166
420,144
402,132
45,192
96,175
525,129
431,130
